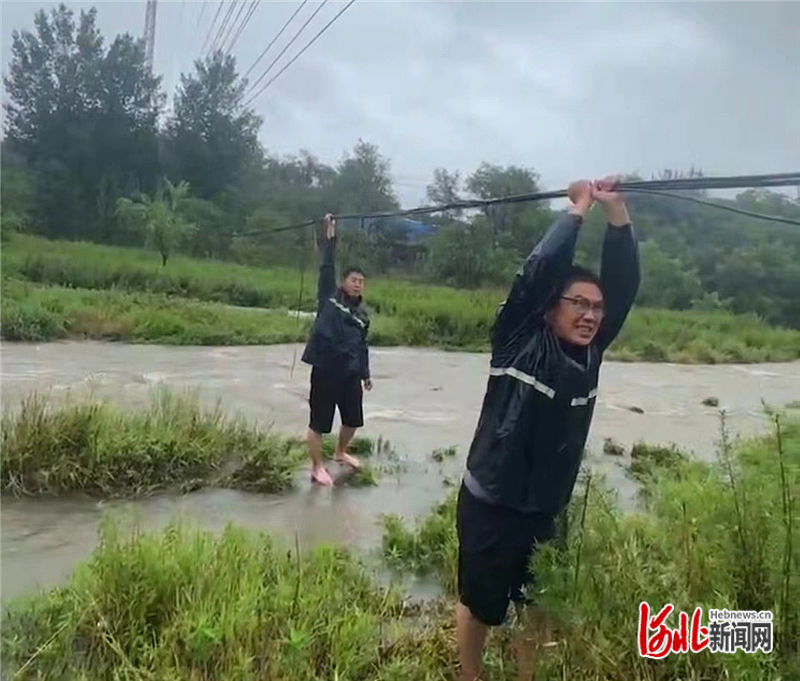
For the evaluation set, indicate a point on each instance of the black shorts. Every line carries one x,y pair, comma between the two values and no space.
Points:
495,547
329,391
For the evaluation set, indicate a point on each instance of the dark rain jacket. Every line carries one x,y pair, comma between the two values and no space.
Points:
539,401
338,342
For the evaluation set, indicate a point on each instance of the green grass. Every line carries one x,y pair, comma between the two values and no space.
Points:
35,313
54,289
430,547
96,448
185,605
702,337
96,267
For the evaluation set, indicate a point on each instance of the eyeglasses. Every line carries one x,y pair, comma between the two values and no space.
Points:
583,305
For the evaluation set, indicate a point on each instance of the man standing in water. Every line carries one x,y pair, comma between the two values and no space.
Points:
547,344
337,350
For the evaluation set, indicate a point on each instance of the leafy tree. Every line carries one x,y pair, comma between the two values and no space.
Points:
16,191
212,138
513,225
666,281
363,182
84,119
444,189
211,239
298,187
460,253
165,229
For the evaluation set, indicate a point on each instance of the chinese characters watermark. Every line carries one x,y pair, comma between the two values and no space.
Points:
726,632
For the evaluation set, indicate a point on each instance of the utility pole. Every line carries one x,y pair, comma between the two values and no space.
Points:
150,31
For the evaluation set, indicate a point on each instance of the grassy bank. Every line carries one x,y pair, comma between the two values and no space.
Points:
714,536
70,290
36,313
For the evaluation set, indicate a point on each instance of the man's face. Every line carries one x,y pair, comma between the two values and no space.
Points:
577,315
353,284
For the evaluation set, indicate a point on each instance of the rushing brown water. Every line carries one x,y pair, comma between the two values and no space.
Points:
423,399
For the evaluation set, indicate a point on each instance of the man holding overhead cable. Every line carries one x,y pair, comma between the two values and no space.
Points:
547,345
337,350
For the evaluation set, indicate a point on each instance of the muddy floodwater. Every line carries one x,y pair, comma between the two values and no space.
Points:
423,399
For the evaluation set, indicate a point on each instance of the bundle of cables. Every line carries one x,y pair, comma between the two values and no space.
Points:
665,188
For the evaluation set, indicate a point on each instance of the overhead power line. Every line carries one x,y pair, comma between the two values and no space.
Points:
213,23
653,187
221,30
272,42
253,7
232,27
287,46
309,44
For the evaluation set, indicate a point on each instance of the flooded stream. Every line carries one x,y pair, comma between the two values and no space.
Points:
423,399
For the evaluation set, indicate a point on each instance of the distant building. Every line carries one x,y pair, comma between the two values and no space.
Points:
401,229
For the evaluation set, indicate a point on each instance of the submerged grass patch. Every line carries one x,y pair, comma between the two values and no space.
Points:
439,455
431,546
54,289
100,449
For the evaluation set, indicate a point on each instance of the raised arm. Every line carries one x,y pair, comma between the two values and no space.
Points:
619,269
542,270
326,284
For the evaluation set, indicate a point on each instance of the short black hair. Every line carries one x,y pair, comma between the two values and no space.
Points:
574,274
579,273
352,268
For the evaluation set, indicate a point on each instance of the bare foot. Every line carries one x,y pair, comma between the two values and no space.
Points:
320,476
344,457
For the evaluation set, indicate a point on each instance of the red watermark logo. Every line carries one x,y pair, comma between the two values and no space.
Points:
730,631
666,640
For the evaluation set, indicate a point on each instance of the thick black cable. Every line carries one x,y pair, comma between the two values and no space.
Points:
653,187
278,35
211,27
309,44
283,51
721,206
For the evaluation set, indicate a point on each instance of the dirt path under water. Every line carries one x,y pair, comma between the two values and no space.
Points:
423,399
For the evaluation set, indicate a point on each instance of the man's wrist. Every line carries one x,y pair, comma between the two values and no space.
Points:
617,214
579,209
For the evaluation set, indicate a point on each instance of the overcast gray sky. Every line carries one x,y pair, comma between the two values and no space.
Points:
569,89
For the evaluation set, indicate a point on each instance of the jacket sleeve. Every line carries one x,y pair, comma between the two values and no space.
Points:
364,360
326,284
533,286
620,276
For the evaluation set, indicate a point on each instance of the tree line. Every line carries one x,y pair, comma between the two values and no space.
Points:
90,152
